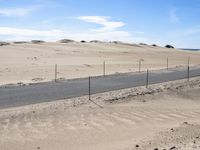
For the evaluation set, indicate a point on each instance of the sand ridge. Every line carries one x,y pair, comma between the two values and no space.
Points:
32,63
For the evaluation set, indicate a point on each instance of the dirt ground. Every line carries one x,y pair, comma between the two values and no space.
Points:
165,116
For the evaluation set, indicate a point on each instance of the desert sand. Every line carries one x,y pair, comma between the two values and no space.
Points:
164,116
29,62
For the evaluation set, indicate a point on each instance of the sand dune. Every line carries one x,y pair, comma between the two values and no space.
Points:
130,119
28,62
148,120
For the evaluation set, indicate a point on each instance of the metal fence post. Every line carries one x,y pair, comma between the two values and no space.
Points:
89,92
188,73
139,65
104,68
188,69
167,63
147,79
56,72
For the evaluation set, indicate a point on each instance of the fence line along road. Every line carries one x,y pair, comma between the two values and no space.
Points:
51,91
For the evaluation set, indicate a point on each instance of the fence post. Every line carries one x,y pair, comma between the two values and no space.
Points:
104,68
167,63
139,65
188,69
147,79
188,73
89,92
56,72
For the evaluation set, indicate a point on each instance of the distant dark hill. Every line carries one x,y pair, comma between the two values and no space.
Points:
189,49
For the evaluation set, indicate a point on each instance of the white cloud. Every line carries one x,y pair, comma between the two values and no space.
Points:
28,32
173,16
107,25
109,30
15,12
12,34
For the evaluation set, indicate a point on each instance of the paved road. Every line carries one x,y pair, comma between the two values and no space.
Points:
46,92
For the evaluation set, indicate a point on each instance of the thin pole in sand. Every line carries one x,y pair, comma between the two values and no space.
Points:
147,79
56,72
167,63
89,93
140,63
89,89
104,68
188,69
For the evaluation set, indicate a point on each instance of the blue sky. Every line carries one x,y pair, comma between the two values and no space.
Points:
161,22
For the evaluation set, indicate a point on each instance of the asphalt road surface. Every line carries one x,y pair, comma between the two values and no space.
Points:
12,96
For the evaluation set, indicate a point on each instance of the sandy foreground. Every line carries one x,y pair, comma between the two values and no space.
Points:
164,116
29,62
